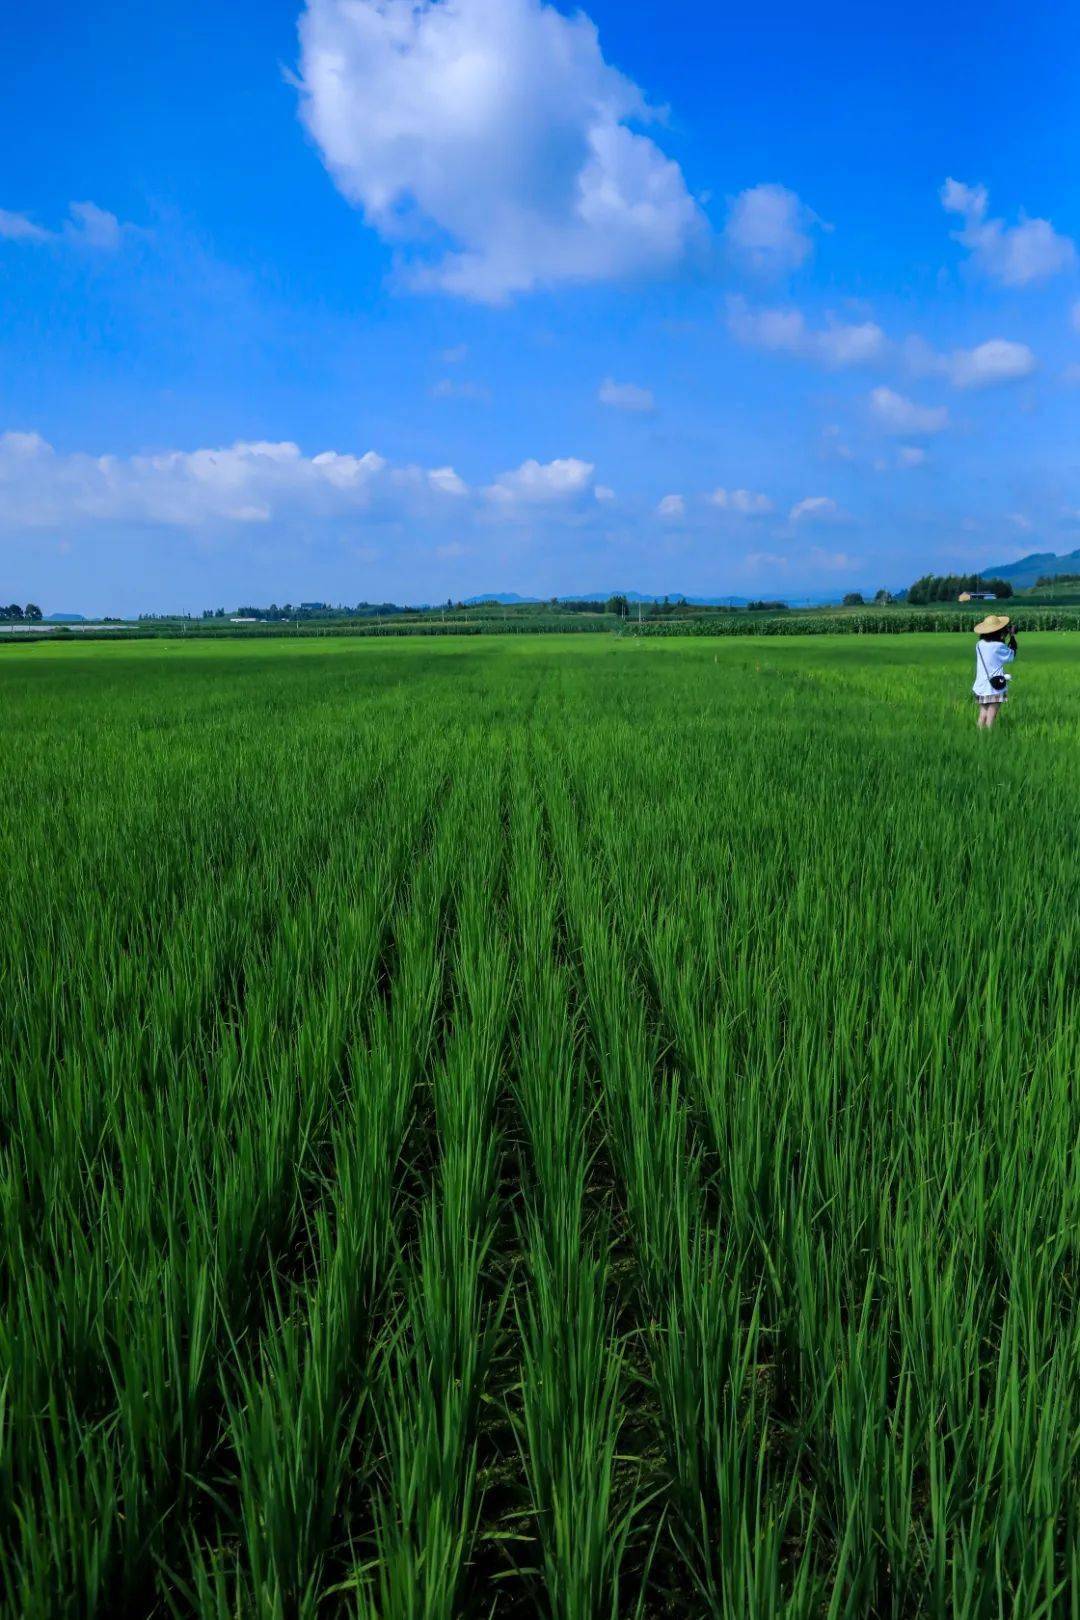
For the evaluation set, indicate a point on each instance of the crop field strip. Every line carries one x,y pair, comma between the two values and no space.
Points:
559,1128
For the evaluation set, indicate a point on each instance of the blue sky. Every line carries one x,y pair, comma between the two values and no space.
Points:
364,299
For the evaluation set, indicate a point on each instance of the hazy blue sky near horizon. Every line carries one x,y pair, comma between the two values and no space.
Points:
368,299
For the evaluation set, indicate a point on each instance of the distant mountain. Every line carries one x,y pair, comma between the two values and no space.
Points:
656,596
511,598
700,601
64,618
1029,569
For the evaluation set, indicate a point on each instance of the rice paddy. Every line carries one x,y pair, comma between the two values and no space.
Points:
576,1128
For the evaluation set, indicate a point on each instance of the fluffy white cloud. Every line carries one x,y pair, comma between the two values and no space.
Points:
768,230
785,331
245,483
497,126
747,502
542,484
1012,254
839,344
446,480
671,506
911,455
626,396
898,414
815,508
998,360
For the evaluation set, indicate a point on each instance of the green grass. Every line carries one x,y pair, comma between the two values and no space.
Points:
576,1127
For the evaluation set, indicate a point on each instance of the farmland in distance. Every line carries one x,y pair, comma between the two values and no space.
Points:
572,1128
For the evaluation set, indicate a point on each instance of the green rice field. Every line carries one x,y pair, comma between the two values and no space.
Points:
569,1127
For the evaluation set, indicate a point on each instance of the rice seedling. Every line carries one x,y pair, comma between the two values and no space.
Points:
578,1127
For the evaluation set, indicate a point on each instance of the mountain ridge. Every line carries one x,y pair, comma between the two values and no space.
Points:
1026,570
512,599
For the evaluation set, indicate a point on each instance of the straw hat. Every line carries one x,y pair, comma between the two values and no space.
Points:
991,624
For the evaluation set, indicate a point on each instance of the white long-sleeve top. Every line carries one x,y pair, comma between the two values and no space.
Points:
990,659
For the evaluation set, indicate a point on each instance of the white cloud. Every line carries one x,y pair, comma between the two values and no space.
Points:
19,228
446,480
1021,521
1015,255
671,506
910,455
785,331
839,344
87,225
814,508
16,447
603,493
626,396
498,127
94,227
537,484
897,414
768,230
998,360
747,502
957,198
244,483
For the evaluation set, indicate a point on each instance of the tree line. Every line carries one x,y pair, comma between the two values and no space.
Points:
947,587
14,614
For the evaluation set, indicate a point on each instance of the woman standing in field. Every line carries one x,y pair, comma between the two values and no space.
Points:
993,650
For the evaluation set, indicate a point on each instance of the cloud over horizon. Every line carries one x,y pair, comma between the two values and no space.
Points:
250,482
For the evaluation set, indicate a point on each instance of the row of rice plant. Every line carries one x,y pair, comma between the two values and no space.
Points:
564,1128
